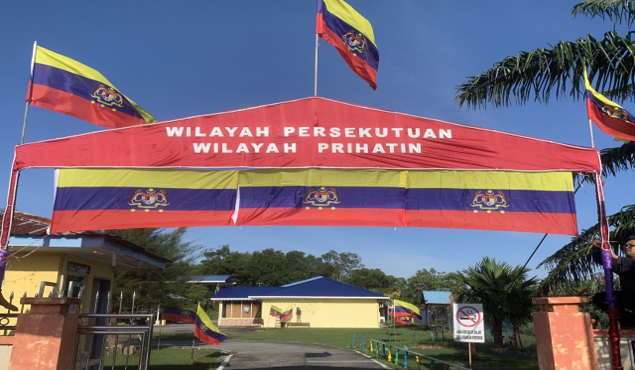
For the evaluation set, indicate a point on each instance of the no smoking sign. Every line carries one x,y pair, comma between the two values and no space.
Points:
468,323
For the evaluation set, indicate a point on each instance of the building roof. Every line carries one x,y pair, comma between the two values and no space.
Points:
318,287
437,297
241,292
30,232
211,279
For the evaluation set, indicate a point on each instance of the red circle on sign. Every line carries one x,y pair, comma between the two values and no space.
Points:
474,322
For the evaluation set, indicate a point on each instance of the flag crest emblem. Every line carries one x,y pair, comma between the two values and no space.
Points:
355,41
489,200
150,198
107,95
320,197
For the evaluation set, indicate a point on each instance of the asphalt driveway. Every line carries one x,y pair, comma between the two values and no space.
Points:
277,355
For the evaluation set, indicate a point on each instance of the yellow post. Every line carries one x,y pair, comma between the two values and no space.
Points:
389,355
418,362
371,346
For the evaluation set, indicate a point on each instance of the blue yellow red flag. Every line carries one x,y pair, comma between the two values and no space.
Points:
286,315
402,307
102,199
67,86
275,311
205,331
352,35
607,115
179,315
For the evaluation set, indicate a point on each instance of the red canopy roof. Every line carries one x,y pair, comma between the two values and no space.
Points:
310,132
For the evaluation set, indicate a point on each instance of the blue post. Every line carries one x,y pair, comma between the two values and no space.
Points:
405,360
432,336
383,347
353,344
363,340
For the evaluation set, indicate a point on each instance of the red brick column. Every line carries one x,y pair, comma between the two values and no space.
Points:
45,337
564,335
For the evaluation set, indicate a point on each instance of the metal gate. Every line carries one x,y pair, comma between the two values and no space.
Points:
101,341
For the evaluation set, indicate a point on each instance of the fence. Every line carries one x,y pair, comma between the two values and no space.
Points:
92,352
400,359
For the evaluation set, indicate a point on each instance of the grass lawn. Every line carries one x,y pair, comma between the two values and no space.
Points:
172,358
416,340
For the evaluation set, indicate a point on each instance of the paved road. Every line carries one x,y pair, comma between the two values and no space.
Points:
284,355
278,355
293,356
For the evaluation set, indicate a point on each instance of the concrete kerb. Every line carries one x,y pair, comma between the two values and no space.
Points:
224,363
373,360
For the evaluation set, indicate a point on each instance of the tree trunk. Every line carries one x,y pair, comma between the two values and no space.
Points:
497,333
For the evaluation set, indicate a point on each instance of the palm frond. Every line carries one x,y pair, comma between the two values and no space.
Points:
617,11
573,262
558,71
618,159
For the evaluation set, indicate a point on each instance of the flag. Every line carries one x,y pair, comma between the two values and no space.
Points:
205,331
405,320
607,115
101,199
286,314
179,315
275,311
66,86
403,312
492,200
322,197
352,35
405,309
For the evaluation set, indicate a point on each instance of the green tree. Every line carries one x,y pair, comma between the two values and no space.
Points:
375,280
153,288
490,282
558,70
343,263
267,267
429,280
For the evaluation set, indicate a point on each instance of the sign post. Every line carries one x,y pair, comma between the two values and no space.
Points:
468,325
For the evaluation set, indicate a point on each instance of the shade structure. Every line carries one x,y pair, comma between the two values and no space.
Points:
310,132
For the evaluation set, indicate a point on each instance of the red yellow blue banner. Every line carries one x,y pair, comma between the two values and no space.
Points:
352,35
112,199
492,200
323,197
486,200
66,86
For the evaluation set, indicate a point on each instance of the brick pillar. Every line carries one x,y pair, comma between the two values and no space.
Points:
45,337
564,335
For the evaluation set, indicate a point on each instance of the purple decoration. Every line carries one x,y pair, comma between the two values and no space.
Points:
607,263
4,255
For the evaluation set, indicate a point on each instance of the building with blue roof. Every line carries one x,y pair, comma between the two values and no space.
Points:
318,302
437,311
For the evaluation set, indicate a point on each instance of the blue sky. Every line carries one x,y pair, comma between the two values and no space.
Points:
179,59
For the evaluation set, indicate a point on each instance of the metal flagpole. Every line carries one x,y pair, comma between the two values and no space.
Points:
591,134
316,66
26,110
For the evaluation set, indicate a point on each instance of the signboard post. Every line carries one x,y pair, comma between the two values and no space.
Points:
468,325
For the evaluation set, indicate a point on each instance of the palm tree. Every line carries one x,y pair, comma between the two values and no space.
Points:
504,291
558,70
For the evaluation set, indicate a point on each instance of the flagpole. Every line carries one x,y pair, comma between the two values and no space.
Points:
591,134
26,110
315,74
394,319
